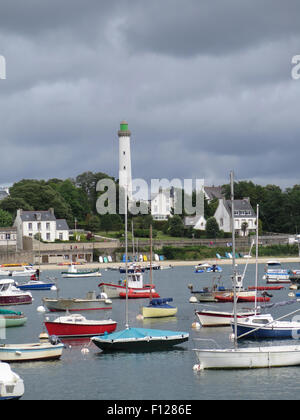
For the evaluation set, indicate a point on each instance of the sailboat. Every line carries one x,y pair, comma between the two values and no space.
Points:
247,357
137,339
157,308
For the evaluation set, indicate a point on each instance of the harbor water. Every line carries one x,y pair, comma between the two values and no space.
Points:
158,375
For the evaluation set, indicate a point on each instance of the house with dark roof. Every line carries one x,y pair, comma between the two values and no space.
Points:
244,216
4,192
43,223
213,192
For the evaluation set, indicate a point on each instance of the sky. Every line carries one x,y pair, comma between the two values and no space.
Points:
205,86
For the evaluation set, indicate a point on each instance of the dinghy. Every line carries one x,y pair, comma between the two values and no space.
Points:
11,385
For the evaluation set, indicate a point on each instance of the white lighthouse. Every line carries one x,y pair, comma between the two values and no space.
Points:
125,178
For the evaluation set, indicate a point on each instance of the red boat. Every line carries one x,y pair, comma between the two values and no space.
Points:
265,287
242,299
136,294
76,325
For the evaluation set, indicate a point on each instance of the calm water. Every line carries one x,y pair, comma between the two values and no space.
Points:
159,375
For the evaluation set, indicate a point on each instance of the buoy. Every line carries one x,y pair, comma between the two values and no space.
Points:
231,337
140,317
193,299
291,294
41,309
196,325
293,287
197,367
53,288
85,350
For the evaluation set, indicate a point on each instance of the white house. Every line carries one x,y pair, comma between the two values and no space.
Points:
8,238
162,204
244,216
196,222
30,223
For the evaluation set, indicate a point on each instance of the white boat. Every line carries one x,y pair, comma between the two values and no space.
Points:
11,295
31,351
73,272
211,318
5,273
11,385
27,271
274,273
135,283
248,357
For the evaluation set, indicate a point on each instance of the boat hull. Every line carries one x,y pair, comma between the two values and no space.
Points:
8,321
245,358
30,352
152,312
219,319
58,305
78,330
15,300
38,286
269,332
113,290
137,294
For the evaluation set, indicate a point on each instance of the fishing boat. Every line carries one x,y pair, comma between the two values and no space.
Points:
135,284
11,295
264,326
137,339
73,272
11,318
133,268
242,297
249,357
31,351
76,325
274,273
90,303
11,385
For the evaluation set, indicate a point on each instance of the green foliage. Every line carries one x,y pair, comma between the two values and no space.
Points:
212,228
6,219
176,227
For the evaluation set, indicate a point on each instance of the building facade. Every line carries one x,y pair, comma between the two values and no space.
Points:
244,216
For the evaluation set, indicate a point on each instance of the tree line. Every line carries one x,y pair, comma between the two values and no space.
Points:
74,199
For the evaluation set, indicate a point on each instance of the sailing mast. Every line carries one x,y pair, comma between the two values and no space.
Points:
150,263
233,262
256,258
126,264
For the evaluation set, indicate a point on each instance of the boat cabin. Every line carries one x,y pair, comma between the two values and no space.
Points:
135,280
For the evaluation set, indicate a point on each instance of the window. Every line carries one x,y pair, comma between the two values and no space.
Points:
48,236
29,226
124,168
48,226
221,222
39,225
61,237
124,153
7,236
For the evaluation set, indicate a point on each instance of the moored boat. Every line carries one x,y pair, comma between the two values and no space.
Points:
91,302
11,318
11,295
264,326
158,308
274,273
27,271
76,325
211,318
36,285
31,351
139,294
135,283
73,272
11,385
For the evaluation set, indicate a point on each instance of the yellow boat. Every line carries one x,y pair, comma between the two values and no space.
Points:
159,308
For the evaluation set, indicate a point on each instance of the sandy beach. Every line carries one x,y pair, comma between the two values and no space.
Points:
174,263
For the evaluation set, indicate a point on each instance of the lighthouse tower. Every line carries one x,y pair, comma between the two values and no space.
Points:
125,178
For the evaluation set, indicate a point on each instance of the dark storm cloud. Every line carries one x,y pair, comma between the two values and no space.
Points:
205,86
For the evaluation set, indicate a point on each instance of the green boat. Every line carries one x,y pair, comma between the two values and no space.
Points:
11,318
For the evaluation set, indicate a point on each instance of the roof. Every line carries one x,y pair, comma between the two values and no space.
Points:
40,216
214,192
61,224
240,205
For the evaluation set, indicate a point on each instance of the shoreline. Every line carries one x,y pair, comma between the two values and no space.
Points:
173,263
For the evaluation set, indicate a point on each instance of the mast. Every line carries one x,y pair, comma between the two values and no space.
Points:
126,264
233,261
256,257
150,262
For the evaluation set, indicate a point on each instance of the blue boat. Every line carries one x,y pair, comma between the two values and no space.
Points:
264,326
35,285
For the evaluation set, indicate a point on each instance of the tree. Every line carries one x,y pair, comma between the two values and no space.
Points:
176,227
6,219
212,228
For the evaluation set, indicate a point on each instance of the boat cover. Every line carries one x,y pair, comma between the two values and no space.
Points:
140,333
